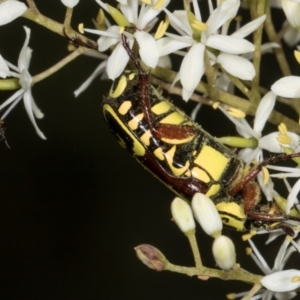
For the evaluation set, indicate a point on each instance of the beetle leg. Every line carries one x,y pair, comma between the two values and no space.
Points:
169,131
258,168
78,42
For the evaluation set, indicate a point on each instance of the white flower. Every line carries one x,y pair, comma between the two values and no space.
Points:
292,12
283,291
25,81
282,281
192,67
224,252
288,87
143,20
70,3
183,215
264,109
206,214
10,10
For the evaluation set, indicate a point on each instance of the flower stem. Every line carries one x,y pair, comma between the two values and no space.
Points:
195,249
59,65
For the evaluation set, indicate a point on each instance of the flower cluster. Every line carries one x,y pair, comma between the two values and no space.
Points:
213,59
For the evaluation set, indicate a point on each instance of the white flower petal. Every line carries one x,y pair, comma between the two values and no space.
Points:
291,36
25,80
11,10
179,21
70,3
192,68
168,45
4,70
206,214
269,142
263,111
11,99
112,36
88,81
292,12
292,198
282,281
182,215
249,27
148,13
237,66
283,296
224,252
288,86
268,188
25,54
36,111
229,44
225,11
147,48
130,11
117,62
28,101
165,62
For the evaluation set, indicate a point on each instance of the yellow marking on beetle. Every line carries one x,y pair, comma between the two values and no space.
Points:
188,173
145,138
138,148
213,161
170,158
232,215
134,122
124,107
158,152
200,174
176,141
213,190
160,108
120,88
173,118
131,76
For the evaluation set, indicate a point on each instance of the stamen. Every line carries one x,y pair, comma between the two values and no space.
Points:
265,174
283,138
215,105
163,25
81,28
297,56
158,4
236,113
199,25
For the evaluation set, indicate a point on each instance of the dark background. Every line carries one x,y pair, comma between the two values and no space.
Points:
73,207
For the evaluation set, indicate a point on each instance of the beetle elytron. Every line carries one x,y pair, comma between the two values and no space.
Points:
184,156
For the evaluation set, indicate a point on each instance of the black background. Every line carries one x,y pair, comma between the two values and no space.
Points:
73,207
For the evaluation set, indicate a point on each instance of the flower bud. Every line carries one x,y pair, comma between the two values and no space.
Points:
224,252
183,215
207,215
70,3
282,281
292,12
151,257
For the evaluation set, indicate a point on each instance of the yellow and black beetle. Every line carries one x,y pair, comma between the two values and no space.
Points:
182,155
185,157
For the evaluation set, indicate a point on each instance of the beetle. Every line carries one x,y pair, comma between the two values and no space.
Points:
183,156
